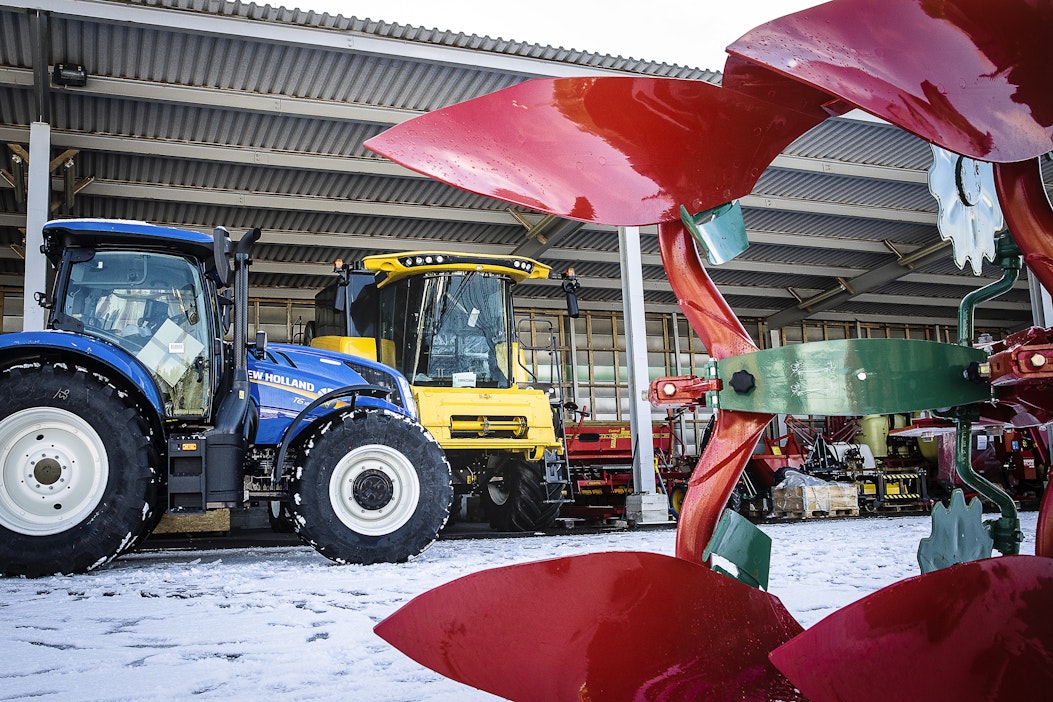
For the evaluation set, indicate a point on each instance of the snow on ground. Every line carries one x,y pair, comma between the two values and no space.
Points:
260,623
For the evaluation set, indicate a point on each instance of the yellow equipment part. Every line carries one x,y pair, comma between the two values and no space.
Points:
515,267
513,419
362,347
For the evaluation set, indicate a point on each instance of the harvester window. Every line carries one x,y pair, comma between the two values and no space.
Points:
449,329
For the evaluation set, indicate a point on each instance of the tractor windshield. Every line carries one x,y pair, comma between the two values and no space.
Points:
153,306
449,329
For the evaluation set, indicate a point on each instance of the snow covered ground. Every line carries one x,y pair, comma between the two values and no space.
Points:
284,623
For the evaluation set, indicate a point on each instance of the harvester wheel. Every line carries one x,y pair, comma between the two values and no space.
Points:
676,499
373,487
514,496
77,480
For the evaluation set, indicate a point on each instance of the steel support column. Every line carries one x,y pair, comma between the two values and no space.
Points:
646,504
1041,303
37,209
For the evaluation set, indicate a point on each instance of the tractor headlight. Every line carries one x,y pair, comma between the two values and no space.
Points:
401,393
407,396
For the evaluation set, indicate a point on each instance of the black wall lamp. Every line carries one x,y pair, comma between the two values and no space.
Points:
69,75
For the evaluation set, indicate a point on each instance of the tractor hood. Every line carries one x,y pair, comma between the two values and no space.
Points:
291,377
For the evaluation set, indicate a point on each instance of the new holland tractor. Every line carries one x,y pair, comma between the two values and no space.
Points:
445,320
133,402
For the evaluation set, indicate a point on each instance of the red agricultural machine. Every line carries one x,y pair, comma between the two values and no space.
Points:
600,456
971,77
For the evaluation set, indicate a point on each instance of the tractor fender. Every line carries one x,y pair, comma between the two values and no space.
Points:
62,346
354,397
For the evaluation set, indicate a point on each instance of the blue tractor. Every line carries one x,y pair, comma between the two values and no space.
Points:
144,395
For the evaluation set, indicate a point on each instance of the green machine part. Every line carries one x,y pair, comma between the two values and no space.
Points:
851,377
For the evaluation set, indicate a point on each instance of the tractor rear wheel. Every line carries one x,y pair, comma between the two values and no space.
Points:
373,487
515,496
77,476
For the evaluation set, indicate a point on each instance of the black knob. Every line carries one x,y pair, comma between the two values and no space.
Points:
742,381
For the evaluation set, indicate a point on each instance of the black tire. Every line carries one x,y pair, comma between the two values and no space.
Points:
373,487
79,476
735,499
514,496
309,333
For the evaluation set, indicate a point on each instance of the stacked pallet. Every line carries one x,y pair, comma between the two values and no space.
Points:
810,501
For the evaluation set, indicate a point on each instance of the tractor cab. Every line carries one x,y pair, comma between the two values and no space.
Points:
155,304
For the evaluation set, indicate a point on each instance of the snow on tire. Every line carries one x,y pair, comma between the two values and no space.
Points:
373,487
77,484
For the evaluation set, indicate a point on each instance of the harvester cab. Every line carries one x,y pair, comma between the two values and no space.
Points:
446,322
133,403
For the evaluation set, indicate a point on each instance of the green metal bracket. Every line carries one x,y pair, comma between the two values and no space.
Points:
748,548
958,535
1005,532
720,231
851,377
1010,260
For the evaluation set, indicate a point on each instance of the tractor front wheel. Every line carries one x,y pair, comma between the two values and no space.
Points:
374,487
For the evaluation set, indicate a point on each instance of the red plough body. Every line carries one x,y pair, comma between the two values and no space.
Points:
971,76
594,604
975,631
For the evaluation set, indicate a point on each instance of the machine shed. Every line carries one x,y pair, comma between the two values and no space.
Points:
200,113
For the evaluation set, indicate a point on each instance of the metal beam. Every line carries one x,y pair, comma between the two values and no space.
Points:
149,91
41,48
858,285
37,208
542,236
789,204
835,167
810,241
216,153
298,35
934,301
231,198
966,281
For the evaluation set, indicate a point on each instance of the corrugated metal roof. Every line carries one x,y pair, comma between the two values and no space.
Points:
441,37
136,67
855,141
853,191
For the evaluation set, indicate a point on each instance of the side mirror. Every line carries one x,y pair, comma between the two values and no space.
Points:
220,250
259,347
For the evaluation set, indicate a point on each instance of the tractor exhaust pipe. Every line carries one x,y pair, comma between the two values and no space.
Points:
227,441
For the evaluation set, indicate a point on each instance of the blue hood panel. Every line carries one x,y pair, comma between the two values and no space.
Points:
292,376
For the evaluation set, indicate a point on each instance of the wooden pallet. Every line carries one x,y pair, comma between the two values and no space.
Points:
815,514
901,507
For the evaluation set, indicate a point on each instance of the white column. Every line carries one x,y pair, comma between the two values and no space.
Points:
646,505
1041,304
575,380
38,203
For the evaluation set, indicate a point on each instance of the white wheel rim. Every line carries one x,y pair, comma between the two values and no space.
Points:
53,471
381,466
497,490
